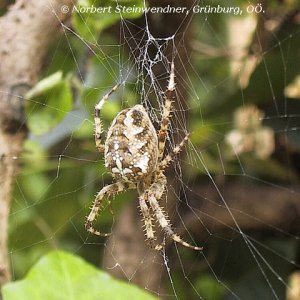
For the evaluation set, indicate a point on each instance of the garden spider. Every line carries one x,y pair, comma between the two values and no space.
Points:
133,153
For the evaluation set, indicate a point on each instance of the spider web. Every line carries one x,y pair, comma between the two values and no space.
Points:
203,203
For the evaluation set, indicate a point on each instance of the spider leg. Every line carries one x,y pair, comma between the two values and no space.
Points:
107,190
154,194
97,120
169,96
165,224
148,223
170,157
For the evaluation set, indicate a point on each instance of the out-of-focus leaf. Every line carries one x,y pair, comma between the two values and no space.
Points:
33,149
60,275
200,134
45,85
50,107
209,288
84,131
39,181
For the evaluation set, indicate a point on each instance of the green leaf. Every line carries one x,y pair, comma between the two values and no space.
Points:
45,85
63,276
50,107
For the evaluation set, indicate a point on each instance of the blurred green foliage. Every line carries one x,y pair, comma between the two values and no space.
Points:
89,24
49,102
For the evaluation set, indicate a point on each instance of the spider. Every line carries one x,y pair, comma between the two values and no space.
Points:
134,155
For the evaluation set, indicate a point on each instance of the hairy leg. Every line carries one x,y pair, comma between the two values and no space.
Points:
154,194
165,223
108,190
170,157
164,125
150,233
97,119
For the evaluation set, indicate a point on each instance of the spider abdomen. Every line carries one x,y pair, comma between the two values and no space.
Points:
131,147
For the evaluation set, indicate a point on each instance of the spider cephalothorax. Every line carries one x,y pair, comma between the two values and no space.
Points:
134,154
